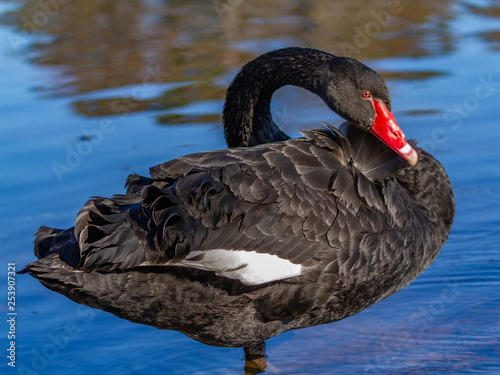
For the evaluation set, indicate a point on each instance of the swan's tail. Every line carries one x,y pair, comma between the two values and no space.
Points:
103,237
57,241
54,248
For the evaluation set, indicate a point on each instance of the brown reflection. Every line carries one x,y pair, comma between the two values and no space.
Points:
99,44
167,100
493,39
489,10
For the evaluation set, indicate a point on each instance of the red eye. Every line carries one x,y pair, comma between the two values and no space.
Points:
366,94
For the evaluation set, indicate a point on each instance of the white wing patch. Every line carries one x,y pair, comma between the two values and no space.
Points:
249,267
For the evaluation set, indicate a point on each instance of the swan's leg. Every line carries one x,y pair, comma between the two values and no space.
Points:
255,357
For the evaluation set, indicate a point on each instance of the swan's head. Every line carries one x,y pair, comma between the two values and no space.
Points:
360,95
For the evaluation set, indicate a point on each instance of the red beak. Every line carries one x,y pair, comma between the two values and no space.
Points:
387,130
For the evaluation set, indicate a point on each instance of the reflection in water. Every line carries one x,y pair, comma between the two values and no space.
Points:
104,44
143,296
493,39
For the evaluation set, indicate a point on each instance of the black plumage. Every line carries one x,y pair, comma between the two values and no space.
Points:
342,207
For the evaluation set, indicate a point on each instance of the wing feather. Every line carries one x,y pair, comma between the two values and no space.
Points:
304,201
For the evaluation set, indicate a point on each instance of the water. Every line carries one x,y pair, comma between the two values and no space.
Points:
92,91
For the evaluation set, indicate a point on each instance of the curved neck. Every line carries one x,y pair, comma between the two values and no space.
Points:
247,110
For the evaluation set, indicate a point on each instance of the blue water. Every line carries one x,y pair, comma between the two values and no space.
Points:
53,158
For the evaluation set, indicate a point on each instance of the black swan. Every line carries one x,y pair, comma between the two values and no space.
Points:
234,246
